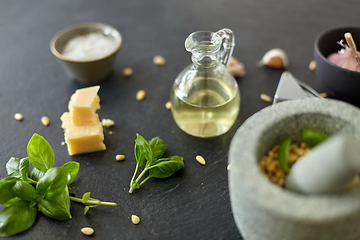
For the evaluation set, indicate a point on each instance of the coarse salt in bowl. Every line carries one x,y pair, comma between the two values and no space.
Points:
87,50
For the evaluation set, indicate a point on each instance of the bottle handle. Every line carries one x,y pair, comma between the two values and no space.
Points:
228,44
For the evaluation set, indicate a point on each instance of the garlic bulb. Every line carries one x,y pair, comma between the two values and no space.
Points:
236,68
348,57
275,58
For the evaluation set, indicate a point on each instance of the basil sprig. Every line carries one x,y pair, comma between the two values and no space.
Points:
45,189
156,166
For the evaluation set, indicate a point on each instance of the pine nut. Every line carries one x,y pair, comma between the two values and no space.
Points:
200,159
135,219
107,122
228,167
159,60
18,116
265,98
119,157
324,95
127,72
140,95
168,105
312,65
45,121
87,231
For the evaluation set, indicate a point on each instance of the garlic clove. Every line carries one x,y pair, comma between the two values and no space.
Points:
275,58
236,68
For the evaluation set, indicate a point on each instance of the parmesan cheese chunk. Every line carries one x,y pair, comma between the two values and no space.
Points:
83,129
83,105
82,139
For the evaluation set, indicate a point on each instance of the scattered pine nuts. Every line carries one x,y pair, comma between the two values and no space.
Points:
168,105
87,231
127,72
200,159
18,116
119,157
45,121
62,143
265,98
159,60
312,65
324,95
107,122
140,95
228,167
135,219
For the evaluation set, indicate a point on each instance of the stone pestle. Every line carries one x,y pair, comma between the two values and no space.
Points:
327,168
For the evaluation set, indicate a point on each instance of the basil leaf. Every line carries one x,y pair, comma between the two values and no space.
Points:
6,197
40,153
165,167
58,208
71,191
12,167
25,191
86,197
24,168
16,218
73,168
158,147
142,150
284,154
52,184
36,174
312,137
86,209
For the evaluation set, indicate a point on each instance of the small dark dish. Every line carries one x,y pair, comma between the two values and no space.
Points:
338,82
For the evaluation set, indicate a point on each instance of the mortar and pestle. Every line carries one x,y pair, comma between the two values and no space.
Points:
313,206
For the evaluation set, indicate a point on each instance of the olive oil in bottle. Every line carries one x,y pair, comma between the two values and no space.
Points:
205,98
208,109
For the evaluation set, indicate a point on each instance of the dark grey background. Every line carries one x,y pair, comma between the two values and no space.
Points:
194,203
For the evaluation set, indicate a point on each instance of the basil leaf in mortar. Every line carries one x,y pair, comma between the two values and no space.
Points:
284,154
312,137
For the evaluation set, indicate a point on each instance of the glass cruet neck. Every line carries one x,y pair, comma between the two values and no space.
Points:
209,48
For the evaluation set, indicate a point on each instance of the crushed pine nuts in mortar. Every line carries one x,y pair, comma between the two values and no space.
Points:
269,164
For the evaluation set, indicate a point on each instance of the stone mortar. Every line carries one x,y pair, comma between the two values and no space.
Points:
263,210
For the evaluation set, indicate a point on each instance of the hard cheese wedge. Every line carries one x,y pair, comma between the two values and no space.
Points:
83,105
82,139
83,129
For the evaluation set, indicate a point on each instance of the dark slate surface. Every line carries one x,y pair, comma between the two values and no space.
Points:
194,203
